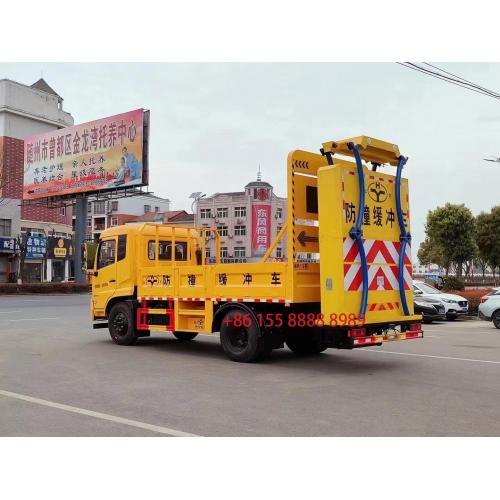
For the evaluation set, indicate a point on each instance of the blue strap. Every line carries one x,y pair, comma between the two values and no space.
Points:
405,237
356,232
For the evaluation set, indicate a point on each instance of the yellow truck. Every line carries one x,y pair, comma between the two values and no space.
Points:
346,282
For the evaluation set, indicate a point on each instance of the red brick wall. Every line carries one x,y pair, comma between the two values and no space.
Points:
11,171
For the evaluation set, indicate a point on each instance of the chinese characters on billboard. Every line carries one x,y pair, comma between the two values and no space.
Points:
99,155
261,229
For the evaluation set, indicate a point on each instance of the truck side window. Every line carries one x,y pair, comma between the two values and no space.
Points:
106,253
165,250
151,250
122,247
181,250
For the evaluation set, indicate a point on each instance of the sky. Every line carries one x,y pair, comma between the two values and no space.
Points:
213,124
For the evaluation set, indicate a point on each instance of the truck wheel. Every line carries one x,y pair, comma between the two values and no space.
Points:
185,335
244,342
496,319
121,325
305,343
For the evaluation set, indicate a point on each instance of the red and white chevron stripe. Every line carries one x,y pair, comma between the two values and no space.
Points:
382,258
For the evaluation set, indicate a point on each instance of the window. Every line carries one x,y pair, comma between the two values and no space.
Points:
205,213
147,208
89,208
114,221
222,230
181,250
157,209
5,227
62,210
279,213
240,211
151,250
239,252
223,252
222,212
207,252
122,247
278,229
89,221
106,253
279,252
99,207
240,230
114,205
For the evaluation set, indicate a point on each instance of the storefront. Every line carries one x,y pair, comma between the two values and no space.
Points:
7,259
59,256
36,249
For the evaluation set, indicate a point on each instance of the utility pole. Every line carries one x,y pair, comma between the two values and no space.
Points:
80,232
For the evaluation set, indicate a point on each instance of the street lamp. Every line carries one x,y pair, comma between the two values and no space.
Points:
196,196
493,158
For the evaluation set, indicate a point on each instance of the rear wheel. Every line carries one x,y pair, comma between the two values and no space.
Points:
305,343
240,336
496,319
121,325
185,336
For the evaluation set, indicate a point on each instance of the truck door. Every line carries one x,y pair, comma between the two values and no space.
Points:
104,283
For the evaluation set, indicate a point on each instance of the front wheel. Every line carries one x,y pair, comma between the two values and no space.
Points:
121,324
451,316
496,319
185,336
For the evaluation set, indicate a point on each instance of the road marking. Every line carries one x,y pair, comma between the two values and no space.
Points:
431,356
10,312
29,319
103,416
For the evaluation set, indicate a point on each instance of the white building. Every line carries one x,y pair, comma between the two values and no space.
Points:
247,222
104,213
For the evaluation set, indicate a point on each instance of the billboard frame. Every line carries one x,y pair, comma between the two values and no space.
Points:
59,200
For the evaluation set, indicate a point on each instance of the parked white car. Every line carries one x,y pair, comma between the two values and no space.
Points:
454,305
489,308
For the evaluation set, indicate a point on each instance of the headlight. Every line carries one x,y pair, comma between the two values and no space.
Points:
449,301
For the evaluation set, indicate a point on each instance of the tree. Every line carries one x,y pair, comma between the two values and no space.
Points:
431,252
22,245
452,230
488,237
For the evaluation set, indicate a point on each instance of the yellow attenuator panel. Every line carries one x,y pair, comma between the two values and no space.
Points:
341,286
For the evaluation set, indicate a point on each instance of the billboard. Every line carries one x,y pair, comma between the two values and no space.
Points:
101,155
261,229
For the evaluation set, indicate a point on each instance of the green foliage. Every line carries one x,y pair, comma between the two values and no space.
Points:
488,236
453,283
431,253
90,251
451,232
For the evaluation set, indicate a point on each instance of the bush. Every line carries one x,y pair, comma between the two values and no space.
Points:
453,283
41,288
473,296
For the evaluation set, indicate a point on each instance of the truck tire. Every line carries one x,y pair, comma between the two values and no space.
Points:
305,343
244,343
185,336
121,324
496,319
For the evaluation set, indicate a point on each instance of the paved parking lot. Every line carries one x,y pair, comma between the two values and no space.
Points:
58,377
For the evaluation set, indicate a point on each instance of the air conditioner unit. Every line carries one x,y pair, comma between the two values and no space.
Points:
240,221
229,235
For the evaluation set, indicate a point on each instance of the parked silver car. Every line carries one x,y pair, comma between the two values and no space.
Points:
489,308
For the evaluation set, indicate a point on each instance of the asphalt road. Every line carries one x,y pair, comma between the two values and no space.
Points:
58,377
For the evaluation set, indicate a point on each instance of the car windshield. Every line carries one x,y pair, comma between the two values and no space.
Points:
495,291
427,288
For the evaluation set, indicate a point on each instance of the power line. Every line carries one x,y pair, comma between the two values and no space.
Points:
459,81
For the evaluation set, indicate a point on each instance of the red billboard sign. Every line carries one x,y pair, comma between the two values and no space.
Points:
261,228
101,155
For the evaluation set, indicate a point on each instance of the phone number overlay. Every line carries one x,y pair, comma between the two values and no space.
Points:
294,320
